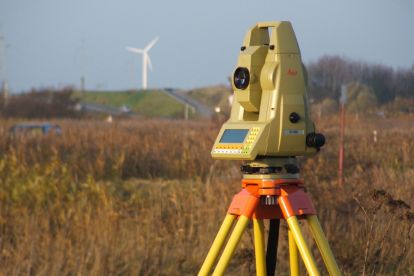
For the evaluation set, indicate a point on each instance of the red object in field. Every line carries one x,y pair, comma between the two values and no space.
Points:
341,145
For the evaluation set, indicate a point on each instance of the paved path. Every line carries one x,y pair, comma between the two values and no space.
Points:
181,96
104,109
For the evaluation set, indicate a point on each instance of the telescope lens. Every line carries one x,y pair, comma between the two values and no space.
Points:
241,78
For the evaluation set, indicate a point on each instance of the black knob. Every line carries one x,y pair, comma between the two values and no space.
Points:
315,140
291,168
294,117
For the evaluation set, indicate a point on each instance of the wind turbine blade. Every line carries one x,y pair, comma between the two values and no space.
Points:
151,44
134,50
149,62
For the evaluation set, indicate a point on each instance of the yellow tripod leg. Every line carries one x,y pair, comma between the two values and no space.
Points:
304,251
217,245
231,246
323,245
293,255
259,247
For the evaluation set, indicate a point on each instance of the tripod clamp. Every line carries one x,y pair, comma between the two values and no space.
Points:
289,194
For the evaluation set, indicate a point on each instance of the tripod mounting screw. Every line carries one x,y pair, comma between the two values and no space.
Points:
268,200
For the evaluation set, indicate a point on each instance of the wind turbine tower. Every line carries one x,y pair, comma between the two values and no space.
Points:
146,61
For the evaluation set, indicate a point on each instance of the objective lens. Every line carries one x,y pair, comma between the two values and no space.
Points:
241,78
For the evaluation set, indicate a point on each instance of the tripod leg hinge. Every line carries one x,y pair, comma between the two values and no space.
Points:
296,204
243,203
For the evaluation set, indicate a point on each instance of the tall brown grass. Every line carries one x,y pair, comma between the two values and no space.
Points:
145,198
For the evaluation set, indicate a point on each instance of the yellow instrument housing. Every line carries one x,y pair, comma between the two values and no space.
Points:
261,123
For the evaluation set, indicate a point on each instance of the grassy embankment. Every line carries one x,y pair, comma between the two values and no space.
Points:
147,103
144,197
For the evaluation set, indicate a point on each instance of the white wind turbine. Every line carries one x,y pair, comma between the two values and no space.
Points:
146,61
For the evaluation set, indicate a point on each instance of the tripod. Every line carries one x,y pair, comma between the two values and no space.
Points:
274,197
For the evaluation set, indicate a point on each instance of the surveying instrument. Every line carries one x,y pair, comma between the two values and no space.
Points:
268,127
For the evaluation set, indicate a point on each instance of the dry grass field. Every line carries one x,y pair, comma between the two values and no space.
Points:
144,197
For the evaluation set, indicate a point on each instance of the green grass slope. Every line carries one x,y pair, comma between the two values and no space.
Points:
148,103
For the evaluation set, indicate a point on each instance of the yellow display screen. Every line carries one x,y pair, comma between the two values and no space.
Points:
234,135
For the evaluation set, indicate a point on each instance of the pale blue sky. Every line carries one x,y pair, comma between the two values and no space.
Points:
199,40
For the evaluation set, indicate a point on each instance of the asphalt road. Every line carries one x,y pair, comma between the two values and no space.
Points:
181,96
104,109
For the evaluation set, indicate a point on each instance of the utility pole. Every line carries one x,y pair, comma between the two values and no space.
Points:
3,81
82,67
82,85
186,112
5,92
342,101
2,50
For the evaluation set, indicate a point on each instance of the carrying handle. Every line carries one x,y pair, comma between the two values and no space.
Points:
278,35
